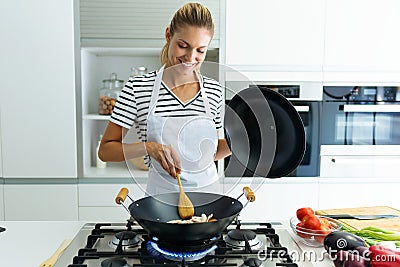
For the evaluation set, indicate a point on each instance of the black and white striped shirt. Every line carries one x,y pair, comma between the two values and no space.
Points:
133,103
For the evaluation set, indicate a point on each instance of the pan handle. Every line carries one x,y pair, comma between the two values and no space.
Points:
249,194
120,199
122,195
251,197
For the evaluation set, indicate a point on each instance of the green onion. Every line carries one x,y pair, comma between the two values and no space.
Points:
373,235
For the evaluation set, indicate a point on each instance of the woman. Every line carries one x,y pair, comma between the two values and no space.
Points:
176,110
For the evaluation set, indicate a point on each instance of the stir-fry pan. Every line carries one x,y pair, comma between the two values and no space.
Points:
153,213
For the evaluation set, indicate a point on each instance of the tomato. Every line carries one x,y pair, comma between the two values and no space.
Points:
311,222
300,213
325,223
301,231
322,233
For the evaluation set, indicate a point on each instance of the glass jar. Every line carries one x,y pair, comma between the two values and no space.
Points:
109,93
138,71
142,70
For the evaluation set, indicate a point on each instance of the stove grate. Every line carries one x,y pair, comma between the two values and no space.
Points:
222,255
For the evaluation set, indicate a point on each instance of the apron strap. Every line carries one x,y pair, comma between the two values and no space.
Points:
156,91
203,95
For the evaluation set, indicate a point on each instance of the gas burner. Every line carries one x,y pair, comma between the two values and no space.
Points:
189,246
129,239
252,262
237,239
157,252
114,262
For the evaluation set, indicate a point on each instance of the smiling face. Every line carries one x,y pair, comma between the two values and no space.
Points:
187,47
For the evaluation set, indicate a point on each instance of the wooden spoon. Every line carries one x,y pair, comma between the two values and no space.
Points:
185,206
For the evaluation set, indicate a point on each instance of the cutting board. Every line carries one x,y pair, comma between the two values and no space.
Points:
389,224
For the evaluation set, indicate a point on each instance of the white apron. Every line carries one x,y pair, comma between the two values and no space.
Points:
195,140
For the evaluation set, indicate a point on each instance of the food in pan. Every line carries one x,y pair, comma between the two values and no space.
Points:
195,219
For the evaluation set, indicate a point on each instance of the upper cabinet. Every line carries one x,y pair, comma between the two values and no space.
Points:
38,113
274,34
348,41
139,23
362,35
1,161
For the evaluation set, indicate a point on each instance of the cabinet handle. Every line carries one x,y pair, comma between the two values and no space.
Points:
371,108
302,108
333,160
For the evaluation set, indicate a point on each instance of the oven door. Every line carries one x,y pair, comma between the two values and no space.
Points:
310,115
360,124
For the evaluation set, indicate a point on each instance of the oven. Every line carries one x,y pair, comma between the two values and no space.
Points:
360,133
361,115
306,98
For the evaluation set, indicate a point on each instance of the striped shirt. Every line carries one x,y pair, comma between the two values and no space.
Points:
132,106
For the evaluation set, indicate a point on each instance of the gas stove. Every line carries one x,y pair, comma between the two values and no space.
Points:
129,245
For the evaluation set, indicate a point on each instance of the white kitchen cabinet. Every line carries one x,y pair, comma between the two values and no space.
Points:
41,202
360,166
277,35
139,23
358,192
1,201
278,199
38,128
362,35
97,201
1,151
96,65
361,161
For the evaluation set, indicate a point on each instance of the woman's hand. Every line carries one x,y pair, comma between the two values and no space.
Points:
166,156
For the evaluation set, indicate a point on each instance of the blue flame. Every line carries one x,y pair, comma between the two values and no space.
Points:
182,255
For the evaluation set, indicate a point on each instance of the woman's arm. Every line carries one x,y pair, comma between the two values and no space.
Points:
222,150
111,146
112,149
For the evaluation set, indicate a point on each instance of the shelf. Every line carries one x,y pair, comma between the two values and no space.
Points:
96,117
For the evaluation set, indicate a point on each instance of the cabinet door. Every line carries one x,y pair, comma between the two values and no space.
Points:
283,33
360,166
139,23
362,35
38,119
41,202
97,201
279,200
350,193
1,151
1,201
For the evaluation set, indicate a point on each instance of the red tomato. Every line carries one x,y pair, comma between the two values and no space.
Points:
325,223
300,213
301,231
322,233
311,222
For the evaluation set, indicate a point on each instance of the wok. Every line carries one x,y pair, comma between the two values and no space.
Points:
154,212
259,109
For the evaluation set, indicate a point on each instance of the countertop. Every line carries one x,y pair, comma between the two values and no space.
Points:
29,243
38,240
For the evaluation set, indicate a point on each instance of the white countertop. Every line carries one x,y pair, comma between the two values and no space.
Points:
37,240
40,239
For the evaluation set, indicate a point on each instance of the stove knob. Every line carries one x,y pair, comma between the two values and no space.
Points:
253,262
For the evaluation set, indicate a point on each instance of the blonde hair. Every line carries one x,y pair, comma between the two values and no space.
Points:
192,14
